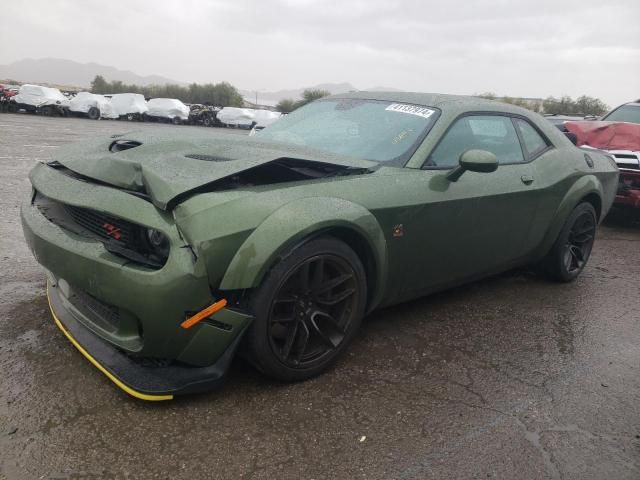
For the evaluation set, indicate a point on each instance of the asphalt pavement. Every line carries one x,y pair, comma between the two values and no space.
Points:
512,377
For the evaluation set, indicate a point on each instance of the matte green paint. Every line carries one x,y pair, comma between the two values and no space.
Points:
451,232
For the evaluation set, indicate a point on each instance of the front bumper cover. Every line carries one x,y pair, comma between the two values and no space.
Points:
145,383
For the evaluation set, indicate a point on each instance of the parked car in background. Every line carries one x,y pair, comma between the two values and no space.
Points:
92,106
6,92
38,99
237,117
629,112
558,119
165,253
263,118
129,106
621,140
167,109
205,115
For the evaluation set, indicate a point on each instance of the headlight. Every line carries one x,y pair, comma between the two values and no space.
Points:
158,242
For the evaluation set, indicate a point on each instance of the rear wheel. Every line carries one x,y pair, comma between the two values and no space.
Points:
176,120
572,249
307,310
93,113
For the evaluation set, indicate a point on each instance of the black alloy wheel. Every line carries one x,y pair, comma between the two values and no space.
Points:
307,310
311,312
579,242
572,249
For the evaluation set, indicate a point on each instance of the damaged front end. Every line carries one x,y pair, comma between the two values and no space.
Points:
121,299
135,243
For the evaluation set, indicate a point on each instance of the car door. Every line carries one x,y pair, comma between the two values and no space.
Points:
479,223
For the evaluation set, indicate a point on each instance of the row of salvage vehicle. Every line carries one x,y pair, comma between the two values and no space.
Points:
49,101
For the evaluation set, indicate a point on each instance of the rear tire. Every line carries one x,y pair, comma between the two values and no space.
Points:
93,113
572,249
307,310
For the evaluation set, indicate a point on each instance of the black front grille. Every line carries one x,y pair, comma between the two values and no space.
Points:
105,226
119,236
629,166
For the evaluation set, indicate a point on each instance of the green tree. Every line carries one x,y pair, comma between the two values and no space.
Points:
99,85
287,105
308,96
585,105
311,95
221,94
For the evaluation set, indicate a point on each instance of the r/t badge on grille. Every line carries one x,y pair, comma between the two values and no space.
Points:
112,231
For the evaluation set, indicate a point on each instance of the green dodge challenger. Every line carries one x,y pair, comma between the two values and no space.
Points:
167,255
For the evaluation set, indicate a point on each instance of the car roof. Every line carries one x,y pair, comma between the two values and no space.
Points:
443,101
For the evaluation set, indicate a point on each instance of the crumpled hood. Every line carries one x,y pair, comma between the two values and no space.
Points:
165,167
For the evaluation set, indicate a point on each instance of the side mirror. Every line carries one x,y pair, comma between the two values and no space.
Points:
479,161
573,137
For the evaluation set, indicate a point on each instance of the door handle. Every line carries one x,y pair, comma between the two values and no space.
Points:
527,179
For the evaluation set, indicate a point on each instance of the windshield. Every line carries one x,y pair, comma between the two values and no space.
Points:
625,113
368,129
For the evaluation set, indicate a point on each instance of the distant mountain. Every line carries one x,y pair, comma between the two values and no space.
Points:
272,98
67,72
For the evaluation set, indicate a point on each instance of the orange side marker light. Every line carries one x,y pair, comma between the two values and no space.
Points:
202,314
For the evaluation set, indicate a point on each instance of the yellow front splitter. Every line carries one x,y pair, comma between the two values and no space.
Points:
109,375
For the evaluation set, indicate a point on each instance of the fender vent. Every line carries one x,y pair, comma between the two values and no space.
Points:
209,158
120,145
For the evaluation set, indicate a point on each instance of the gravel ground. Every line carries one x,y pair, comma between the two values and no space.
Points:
512,377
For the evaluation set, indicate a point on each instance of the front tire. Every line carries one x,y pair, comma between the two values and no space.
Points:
307,310
571,251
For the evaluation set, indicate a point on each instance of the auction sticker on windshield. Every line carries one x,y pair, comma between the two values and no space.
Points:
410,109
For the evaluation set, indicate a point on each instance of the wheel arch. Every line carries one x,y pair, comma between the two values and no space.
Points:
595,200
586,189
298,222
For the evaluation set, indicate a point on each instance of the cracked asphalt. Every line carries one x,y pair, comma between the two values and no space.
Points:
512,377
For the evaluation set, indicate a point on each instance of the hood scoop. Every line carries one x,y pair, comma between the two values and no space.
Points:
120,145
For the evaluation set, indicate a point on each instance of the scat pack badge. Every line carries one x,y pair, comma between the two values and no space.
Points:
398,230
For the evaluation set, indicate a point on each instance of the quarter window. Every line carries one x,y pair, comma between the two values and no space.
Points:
493,133
533,141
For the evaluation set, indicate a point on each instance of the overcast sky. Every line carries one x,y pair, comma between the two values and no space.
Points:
531,48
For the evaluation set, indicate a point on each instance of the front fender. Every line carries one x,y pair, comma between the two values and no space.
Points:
584,186
291,224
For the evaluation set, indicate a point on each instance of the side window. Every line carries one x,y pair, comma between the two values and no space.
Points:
492,133
533,141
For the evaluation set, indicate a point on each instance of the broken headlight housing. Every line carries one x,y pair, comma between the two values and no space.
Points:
158,243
